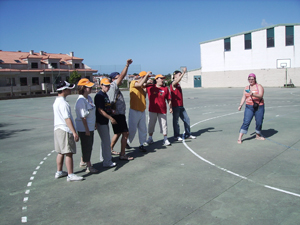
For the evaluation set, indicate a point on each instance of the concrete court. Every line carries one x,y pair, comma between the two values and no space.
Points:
209,180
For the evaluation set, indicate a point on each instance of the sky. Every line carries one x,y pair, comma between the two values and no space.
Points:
158,35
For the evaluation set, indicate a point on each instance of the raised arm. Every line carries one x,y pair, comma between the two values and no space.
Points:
142,81
178,79
124,72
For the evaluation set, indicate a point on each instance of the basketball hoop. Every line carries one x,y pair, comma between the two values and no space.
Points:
284,64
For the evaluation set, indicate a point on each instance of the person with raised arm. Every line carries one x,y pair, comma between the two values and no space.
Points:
178,109
117,100
137,114
158,94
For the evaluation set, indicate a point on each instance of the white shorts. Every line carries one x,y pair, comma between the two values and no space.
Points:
162,120
64,142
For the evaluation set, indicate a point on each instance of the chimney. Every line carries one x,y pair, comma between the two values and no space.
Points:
41,52
71,54
31,52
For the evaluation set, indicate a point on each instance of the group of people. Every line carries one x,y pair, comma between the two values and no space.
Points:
109,105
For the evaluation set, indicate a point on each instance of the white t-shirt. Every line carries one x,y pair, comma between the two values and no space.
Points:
85,108
62,111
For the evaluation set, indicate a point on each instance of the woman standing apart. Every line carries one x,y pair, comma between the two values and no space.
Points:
253,95
86,121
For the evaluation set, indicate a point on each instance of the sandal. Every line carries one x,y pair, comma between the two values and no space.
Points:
125,157
260,138
115,153
239,141
82,164
91,170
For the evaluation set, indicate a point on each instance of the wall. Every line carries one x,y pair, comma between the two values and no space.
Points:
188,80
265,77
228,69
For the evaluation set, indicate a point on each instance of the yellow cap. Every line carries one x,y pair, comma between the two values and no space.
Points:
143,73
85,82
105,81
159,76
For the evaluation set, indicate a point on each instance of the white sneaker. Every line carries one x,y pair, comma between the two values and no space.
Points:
191,137
178,139
149,141
60,174
113,164
145,143
166,143
74,177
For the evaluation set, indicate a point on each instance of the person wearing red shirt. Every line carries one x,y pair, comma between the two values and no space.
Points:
157,95
178,109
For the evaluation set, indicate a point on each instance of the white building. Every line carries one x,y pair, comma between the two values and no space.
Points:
272,53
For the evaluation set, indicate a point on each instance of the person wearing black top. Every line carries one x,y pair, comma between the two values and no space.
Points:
103,115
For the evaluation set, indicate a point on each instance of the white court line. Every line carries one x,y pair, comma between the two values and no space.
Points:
27,192
294,94
230,172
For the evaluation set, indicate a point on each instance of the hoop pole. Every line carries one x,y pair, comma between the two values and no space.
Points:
286,77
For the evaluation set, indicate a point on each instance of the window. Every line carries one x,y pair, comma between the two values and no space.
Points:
289,35
34,65
77,66
23,81
248,41
57,80
46,79
227,44
17,61
35,81
54,65
270,38
10,82
3,82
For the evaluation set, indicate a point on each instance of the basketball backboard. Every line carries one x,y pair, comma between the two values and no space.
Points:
283,63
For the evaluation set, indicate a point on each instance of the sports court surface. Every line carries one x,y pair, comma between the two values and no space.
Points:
209,180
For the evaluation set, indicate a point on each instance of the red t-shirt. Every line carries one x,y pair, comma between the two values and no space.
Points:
157,98
176,96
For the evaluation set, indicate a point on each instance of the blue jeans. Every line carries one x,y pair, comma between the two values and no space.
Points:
248,115
179,111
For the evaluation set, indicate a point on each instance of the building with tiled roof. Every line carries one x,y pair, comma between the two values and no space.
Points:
31,73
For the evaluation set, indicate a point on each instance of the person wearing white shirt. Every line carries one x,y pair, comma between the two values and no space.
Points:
65,136
85,122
